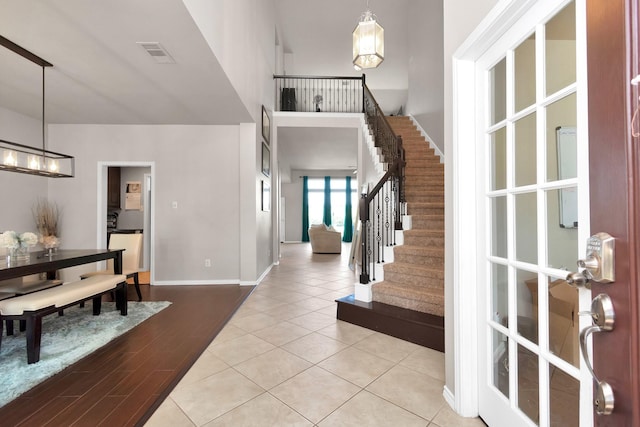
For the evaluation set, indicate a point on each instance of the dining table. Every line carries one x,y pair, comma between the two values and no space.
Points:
51,261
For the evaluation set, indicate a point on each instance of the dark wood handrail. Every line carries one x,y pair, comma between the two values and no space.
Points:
287,76
390,209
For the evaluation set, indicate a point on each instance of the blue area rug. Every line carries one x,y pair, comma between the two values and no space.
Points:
65,340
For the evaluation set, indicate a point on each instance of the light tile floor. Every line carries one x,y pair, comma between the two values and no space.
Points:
284,360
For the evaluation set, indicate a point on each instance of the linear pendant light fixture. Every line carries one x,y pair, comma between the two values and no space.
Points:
33,160
368,42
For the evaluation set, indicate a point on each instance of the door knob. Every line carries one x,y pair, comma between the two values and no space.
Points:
603,317
578,280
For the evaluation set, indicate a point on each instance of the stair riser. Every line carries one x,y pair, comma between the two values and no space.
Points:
426,166
425,242
432,192
425,211
424,153
421,260
423,199
435,308
435,196
412,171
405,282
432,183
427,224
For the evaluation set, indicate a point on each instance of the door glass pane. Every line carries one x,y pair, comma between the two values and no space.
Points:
561,139
527,288
560,49
528,383
563,321
526,227
499,226
525,150
562,230
498,76
499,284
499,159
500,362
525,73
564,397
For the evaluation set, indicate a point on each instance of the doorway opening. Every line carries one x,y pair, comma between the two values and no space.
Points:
126,205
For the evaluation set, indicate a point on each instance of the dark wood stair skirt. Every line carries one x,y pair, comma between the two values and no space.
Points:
419,328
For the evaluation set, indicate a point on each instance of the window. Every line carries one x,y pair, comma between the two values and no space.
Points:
338,201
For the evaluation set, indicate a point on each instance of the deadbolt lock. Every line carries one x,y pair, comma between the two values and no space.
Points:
598,264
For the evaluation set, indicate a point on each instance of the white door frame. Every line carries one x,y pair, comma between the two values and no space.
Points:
101,211
146,188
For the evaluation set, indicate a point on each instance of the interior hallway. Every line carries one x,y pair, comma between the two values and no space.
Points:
284,360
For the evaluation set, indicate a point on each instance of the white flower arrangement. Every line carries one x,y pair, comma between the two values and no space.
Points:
13,240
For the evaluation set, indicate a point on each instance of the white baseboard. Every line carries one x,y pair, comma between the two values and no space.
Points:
428,138
213,282
449,397
196,282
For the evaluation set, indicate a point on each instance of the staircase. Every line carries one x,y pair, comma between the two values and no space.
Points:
415,280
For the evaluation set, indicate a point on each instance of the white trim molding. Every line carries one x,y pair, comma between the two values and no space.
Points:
466,240
427,137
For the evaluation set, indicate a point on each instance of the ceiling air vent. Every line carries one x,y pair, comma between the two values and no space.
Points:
157,52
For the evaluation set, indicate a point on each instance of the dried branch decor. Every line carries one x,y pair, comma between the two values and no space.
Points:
46,214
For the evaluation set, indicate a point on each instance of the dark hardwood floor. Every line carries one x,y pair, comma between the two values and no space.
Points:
122,383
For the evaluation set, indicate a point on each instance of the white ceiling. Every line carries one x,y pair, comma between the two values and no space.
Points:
102,76
318,35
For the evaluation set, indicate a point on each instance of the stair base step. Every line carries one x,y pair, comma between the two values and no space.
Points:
419,328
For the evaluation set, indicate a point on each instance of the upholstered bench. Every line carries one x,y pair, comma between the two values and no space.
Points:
34,306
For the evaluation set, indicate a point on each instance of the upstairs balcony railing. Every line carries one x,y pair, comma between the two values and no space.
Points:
381,208
319,94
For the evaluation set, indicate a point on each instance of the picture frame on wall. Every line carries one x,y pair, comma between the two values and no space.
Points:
266,125
266,160
266,196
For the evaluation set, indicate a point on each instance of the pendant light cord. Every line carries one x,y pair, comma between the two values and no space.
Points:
43,136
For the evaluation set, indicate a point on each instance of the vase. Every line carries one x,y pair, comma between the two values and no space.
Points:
20,253
50,244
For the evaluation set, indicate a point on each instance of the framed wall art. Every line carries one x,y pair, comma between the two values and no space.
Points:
266,196
266,125
266,160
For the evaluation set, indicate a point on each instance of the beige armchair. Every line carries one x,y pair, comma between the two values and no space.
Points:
324,240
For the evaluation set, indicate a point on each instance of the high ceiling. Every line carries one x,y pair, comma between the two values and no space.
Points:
102,76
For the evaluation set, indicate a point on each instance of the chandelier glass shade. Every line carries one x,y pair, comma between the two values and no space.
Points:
34,161
21,158
368,42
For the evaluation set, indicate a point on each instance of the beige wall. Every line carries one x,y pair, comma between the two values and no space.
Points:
19,192
205,223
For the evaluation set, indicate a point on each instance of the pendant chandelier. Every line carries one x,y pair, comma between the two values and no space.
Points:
368,42
21,158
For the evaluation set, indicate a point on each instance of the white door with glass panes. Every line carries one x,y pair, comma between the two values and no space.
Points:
533,220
